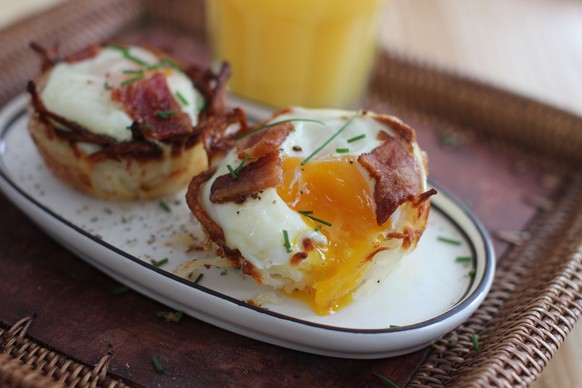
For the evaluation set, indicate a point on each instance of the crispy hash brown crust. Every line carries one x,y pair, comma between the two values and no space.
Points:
397,167
153,163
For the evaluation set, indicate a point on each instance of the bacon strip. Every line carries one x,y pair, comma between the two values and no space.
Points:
264,173
211,86
396,175
264,142
147,100
402,130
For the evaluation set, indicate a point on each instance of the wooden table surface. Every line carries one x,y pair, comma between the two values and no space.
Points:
533,47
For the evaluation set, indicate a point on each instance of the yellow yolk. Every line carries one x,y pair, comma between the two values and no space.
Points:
336,192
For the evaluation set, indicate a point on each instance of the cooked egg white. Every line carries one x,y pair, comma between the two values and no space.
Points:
81,91
331,187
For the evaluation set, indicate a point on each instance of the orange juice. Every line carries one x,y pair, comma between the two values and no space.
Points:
313,53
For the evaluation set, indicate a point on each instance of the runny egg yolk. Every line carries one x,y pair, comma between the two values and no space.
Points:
336,192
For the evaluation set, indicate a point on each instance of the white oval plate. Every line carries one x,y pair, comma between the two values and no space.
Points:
428,295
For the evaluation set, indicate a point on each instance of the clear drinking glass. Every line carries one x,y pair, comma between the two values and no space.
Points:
312,53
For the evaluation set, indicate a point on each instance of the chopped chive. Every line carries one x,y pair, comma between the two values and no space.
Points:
154,67
181,98
318,228
164,114
306,212
134,59
475,341
169,316
385,380
448,240
132,80
165,207
158,367
234,172
169,62
231,171
330,139
117,47
276,123
342,150
317,219
133,71
159,263
198,278
127,55
394,326
464,259
287,243
242,164
356,138
471,273
120,290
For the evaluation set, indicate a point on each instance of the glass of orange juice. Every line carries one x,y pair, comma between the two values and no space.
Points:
313,53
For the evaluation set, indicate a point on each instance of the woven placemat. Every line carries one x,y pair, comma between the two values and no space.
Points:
536,297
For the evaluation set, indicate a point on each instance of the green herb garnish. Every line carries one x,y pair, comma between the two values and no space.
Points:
385,380
307,213
330,139
287,243
164,114
132,80
181,98
154,67
448,240
394,326
231,171
127,55
198,278
342,150
234,172
120,290
171,63
318,228
133,71
356,138
471,273
475,341
170,316
159,263
464,259
165,207
275,123
158,367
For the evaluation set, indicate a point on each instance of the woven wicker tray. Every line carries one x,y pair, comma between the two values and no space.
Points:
514,160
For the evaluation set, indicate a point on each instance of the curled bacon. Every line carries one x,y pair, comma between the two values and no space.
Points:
150,101
264,173
264,142
396,175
